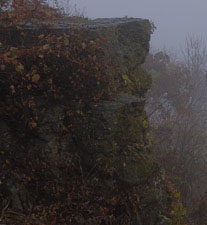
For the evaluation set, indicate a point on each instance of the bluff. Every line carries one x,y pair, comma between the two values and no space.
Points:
75,142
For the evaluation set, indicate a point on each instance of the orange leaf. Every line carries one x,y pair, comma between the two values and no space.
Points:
29,87
84,45
50,81
32,124
41,56
105,209
19,67
138,198
19,28
64,128
41,36
35,78
46,47
12,89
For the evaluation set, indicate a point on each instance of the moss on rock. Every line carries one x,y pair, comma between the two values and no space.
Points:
100,169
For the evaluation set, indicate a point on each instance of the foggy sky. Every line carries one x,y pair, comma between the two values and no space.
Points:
174,19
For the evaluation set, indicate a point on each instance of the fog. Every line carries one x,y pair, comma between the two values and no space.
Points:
174,19
90,133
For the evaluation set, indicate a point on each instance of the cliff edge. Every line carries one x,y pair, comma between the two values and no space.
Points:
75,142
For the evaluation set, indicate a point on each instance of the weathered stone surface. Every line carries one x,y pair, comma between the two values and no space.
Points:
117,136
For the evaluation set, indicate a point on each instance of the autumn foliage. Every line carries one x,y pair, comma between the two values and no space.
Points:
55,67
39,64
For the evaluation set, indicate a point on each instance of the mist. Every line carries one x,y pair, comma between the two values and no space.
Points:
174,19
95,127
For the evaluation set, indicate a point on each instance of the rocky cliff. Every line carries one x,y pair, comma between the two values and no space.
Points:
75,163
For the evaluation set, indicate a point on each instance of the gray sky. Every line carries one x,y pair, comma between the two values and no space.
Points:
174,19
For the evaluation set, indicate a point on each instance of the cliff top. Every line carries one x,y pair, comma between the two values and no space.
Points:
93,24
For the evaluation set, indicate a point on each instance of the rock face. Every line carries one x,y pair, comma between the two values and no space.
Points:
110,150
